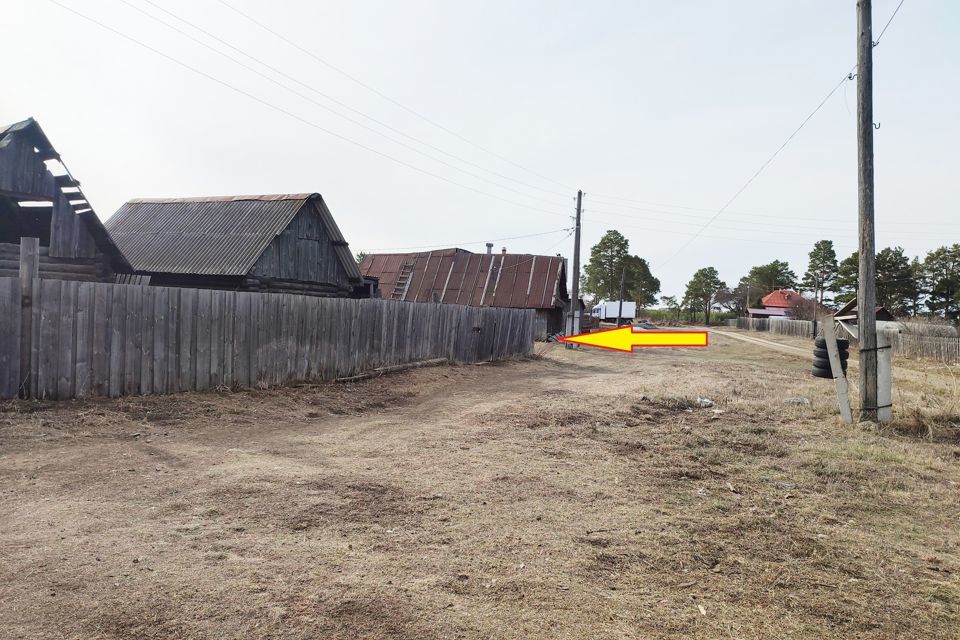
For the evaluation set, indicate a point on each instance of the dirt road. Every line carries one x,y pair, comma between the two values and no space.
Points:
582,494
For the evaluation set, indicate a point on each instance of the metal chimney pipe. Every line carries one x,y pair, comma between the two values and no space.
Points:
503,251
489,248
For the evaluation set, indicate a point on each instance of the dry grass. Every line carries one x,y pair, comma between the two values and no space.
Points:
581,494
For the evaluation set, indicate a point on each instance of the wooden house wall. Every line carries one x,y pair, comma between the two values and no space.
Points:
69,236
22,171
303,252
24,175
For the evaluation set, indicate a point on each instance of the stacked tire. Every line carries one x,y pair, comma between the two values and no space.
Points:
821,358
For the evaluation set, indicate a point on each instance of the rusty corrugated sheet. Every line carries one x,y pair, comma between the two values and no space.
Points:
456,276
213,235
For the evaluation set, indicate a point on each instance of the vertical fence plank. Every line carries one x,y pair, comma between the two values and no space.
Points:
161,329
202,353
100,365
10,347
216,339
48,335
243,348
132,340
173,340
84,344
228,306
117,327
66,339
188,339
147,327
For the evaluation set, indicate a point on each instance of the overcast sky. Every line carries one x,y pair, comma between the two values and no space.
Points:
659,111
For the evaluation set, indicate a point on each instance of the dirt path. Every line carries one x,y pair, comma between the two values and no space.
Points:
770,344
583,494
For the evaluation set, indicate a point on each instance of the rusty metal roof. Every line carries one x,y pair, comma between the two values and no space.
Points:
783,298
457,276
223,235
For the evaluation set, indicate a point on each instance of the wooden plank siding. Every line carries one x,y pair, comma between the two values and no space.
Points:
101,339
302,252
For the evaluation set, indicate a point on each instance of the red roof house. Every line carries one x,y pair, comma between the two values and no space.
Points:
780,299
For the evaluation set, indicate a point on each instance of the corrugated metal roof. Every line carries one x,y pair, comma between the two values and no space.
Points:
213,235
457,276
783,298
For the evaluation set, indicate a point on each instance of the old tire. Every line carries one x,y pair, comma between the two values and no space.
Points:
823,363
817,372
821,343
825,355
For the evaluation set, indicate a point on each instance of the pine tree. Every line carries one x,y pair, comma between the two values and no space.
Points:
607,259
821,269
702,290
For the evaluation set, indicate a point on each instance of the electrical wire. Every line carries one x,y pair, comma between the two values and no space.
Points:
760,170
382,95
293,115
849,76
472,242
729,213
339,103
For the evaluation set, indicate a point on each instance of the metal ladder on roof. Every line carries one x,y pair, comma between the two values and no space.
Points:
403,282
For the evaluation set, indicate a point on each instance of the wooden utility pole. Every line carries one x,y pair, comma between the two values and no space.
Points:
623,277
575,297
866,286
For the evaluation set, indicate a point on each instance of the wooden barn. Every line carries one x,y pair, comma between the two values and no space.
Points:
458,276
39,198
283,243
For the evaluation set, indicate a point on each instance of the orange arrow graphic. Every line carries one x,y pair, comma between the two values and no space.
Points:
625,339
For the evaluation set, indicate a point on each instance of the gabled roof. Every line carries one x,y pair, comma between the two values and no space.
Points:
26,177
782,298
214,235
457,276
31,128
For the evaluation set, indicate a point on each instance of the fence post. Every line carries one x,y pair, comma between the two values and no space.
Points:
29,269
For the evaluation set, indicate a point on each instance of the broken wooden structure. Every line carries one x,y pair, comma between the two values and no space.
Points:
39,198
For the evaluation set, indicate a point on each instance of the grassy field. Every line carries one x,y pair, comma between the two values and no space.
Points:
577,494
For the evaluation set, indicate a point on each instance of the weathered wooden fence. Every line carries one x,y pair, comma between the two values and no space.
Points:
97,339
946,350
782,326
941,349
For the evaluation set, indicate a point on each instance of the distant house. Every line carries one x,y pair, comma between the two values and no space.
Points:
776,304
768,313
282,243
40,199
458,276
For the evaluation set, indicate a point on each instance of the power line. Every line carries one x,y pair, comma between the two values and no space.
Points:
763,166
366,86
472,242
326,96
728,213
892,16
293,115
835,226
847,77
